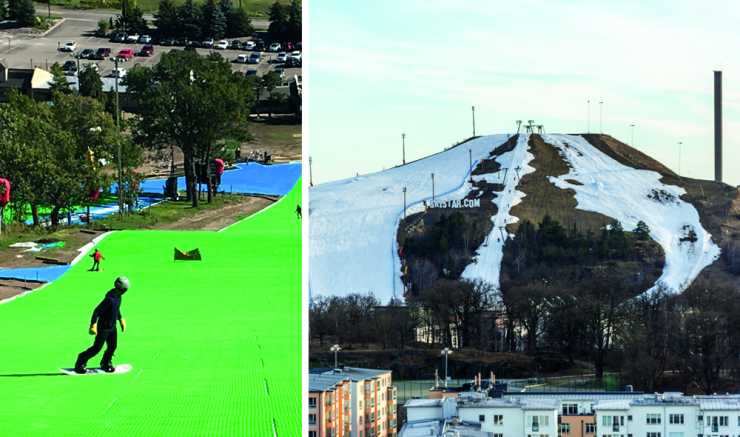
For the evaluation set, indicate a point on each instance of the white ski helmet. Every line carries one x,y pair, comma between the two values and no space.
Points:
122,283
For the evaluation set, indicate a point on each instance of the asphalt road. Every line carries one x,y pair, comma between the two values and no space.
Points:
22,51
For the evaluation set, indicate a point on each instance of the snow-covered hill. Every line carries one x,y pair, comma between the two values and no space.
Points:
354,222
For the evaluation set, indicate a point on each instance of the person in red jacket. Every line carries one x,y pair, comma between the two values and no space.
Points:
96,256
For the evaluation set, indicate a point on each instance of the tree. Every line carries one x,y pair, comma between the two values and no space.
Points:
214,20
22,11
642,231
103,27
90,83
238,23
191,102
295,21
3,9
278,30
59,85
166,19
191,18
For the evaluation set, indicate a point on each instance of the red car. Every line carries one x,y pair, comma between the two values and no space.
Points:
147,50
125,54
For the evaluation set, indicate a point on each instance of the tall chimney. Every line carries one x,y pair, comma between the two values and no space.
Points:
718,126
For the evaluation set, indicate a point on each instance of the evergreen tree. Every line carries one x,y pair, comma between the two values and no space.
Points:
3,9
642,231
22,11
238,23
166,19
278,22
60,85
294,21
90,84
190,16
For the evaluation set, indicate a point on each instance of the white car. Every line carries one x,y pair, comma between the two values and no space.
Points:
295,54
249,45
281,57
242,59
222,44
145,39
118,72
275,47
208,43
134,37
69,46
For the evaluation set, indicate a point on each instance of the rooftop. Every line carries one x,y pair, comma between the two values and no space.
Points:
353,373
321,383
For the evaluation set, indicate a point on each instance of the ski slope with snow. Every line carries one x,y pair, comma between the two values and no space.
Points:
353,222
629,195
487,263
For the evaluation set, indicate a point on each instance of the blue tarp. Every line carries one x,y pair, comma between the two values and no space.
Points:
99,211
45,274
251,178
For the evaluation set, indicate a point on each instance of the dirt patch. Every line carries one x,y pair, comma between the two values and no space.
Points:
74,238
216,219
13,287
282,139
543,198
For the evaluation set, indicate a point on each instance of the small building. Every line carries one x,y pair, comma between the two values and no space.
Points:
328,406
29,81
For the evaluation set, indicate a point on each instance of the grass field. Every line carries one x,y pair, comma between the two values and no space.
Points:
215,345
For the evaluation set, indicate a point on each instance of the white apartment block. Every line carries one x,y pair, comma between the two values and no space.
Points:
605,414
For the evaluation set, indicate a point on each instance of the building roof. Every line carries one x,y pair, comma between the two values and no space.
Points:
421,428
573,396
422,403
322,383
538,404
353,373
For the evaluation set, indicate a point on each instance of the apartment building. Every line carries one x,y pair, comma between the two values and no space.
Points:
328,406
372,401
599,414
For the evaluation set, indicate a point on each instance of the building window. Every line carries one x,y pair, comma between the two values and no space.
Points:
570,409
498,434
590,428
565,428
653,419
312,419
481,418
498,419
653,434
311,402
675,419
724,421
312,434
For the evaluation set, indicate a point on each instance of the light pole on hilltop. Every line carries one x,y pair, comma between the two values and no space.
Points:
632,135
470,164
446,352
601,111
403,148
335,348
680,144
118,142
432,187
404,202
588,119
473,108
310,171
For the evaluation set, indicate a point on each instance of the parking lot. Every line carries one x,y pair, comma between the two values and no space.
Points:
42,52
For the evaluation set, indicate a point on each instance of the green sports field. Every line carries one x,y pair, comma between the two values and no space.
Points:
215,345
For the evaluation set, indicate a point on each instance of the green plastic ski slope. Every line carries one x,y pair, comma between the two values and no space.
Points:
215,344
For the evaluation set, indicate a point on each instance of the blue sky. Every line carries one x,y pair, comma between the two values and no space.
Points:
379,68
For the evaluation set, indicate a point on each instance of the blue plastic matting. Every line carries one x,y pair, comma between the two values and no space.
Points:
44,274
249,178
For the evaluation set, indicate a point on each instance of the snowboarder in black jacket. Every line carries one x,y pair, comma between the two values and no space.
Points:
103,327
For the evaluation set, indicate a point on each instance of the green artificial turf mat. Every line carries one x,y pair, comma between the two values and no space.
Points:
215,344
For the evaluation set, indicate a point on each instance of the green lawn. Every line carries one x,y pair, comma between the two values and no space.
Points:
215,345
255,8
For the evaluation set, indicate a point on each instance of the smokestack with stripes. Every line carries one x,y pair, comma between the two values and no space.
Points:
718,126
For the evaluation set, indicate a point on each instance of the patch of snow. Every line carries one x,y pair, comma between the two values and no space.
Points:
629,195
353,222
486,265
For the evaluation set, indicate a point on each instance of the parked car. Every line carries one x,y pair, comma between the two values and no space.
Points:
69,46
235,44
118,37
292,62
208,43
145,39
242,59
275,47
86,54
295,54
70,67
255,58
125,54
92,66
118,72
248,45
101,53
259,45
222,45
281,57
134,37
182,41
146,50
251,72
169,41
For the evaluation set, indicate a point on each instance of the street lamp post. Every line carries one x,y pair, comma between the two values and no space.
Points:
432,187
118,142
680,144
403,148
310,171
632,135
404,202
446,352
601,111
473,108
335,348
